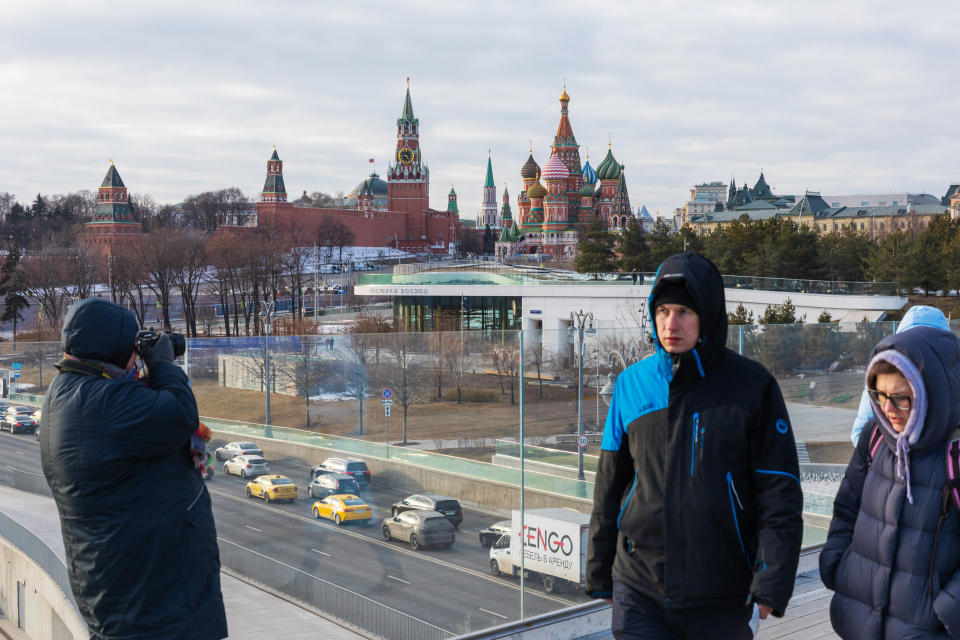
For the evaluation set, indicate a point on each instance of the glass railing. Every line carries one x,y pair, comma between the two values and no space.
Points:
513,276
454,426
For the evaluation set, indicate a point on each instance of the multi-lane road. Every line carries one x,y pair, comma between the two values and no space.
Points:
450,588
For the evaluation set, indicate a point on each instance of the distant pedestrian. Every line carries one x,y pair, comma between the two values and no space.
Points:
330,343
892,554
917,316
634,276
696,524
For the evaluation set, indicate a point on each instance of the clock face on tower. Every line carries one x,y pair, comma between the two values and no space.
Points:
405,155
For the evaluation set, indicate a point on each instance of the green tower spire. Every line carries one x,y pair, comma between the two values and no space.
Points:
489,182
407,105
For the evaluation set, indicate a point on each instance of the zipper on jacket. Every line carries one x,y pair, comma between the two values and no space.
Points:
732,493
703,438
945,506
693,442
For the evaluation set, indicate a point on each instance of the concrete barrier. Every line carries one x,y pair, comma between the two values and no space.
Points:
542,467
493,496
29,596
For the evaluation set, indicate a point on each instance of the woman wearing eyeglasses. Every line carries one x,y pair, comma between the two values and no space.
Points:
892,555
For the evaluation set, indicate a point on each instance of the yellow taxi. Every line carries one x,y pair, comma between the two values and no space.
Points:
342,507
271,488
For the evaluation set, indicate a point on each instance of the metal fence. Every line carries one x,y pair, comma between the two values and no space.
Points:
346,605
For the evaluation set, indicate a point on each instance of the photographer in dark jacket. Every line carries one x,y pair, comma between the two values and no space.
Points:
697,504
137,526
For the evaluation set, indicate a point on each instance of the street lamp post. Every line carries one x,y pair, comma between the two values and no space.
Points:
578,320
607,391
266,314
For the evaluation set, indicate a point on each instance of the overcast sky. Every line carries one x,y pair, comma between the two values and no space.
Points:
842,97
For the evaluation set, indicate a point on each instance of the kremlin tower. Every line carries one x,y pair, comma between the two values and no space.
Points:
379,213
113,226
489,211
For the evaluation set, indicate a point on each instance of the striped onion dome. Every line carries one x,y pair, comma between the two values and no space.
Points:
530,168
589,175
609,169
536,190
555,169
586,189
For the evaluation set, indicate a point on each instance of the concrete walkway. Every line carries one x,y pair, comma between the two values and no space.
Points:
252,613
815,423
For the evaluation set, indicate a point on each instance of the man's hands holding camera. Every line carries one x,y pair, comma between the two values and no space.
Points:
159,351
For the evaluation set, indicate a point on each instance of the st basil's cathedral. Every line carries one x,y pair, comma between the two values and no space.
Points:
551,218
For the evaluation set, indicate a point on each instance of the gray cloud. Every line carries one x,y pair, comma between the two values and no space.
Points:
847,97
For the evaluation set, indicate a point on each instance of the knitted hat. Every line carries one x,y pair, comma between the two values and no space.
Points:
674,293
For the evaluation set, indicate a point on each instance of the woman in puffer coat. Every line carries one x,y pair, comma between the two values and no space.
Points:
893,551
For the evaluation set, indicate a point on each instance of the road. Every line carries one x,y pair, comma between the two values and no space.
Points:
451,588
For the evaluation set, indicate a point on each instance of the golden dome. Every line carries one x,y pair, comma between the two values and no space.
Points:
563,96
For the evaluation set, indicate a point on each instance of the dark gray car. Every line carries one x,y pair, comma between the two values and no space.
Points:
420,529
331,484
445,505
491,534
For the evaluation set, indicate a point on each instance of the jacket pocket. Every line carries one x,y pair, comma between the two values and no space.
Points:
736,510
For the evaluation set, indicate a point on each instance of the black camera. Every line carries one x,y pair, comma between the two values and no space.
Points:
149,337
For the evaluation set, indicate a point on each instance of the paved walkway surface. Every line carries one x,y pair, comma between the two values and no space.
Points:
815,423
251,612
808,614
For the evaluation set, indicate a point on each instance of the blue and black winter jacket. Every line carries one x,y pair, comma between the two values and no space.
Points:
697,499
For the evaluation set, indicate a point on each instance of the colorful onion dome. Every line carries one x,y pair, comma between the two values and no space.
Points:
586,190
609,169
536,190
555,169
530,169
589,175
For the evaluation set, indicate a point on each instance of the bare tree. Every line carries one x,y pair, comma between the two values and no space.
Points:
211,210
161,258
305,371
506,358
44,277
129,282
357,378
405,376
82,269
191,261
222,251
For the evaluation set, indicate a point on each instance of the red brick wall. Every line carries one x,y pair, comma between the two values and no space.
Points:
370,229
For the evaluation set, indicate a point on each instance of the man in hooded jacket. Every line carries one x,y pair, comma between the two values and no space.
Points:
135,515
697,504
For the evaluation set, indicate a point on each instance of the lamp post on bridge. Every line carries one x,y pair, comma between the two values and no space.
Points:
578,320
266,314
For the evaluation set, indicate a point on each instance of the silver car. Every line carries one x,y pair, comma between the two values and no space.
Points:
246,466
232,449
420,529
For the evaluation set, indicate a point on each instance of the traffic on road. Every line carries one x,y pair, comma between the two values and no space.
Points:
436,573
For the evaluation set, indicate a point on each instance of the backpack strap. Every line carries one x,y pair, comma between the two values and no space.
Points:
876,438
953,468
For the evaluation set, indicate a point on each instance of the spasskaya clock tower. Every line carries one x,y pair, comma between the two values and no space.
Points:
408,178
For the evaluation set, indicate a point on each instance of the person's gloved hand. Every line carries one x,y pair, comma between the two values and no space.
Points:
160,351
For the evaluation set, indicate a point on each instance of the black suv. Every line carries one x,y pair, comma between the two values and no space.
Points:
493,533
331,484
355,468
446,505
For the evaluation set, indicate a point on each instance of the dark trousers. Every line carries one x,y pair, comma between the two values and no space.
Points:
637,617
